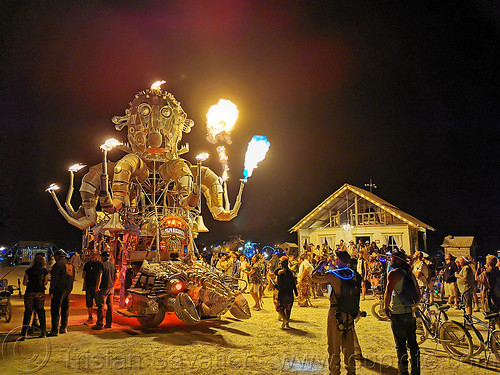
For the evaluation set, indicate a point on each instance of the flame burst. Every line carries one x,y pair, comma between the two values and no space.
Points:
220,121
223,159
256,152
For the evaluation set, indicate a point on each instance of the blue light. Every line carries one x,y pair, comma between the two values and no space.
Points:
336,272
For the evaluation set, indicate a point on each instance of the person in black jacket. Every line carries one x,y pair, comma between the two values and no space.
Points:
62,276
35,279
450,281
286,286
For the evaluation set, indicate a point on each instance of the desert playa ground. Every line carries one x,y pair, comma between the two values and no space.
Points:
222,346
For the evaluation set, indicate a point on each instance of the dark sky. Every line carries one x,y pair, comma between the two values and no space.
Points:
346,91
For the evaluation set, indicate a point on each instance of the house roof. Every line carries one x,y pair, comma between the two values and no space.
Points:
334,202
454,241
288,245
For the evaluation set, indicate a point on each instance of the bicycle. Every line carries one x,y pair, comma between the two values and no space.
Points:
479,343
453,336
435,315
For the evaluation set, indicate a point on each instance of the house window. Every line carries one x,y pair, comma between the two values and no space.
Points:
328,241
393,243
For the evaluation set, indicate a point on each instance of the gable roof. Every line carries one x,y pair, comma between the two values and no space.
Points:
458,241
289,245
321,212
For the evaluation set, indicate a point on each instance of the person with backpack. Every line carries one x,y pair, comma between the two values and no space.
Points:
345,293
401,293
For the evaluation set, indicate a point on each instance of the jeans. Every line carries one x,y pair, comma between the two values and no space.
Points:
59,307
404,327
105,297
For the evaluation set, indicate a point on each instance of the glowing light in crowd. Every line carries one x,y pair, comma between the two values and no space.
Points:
220,121
256,152
221,150
157,85
76,167
52,187
110,144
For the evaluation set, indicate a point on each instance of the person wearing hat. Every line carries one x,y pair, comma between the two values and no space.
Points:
399,309
420,270
466,283
105,292
62,277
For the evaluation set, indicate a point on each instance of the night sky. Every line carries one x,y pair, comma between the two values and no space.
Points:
346,91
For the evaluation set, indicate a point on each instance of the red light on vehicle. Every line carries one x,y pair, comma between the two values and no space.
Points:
178,286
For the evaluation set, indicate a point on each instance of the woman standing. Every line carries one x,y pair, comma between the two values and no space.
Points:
255,275
304,282
35,278
286,289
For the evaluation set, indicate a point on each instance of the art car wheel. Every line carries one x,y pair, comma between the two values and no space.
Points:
152,320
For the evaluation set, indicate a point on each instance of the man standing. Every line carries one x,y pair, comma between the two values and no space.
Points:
420,269
340,326
62,276
398,306
466,283
76,261
105,292
450,281
92,274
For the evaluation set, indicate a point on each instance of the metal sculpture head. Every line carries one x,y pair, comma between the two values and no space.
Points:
155,121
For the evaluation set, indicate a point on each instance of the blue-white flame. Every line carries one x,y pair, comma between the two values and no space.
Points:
256,152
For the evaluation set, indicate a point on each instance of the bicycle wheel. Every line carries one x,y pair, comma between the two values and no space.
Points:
378,311
8,312
456,340
422,333
495,343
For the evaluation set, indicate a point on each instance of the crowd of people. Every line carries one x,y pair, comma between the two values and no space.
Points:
288,276
389,271
98,282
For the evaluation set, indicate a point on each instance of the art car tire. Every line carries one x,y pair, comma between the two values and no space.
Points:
152,320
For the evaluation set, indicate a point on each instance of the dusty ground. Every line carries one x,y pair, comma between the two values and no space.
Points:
224,346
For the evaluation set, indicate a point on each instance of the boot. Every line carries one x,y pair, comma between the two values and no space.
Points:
23,333
43,326
284,319
287,313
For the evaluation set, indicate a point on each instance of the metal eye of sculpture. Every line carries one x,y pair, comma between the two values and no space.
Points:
151,211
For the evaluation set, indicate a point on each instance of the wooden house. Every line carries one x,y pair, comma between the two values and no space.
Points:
355,214
459,246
